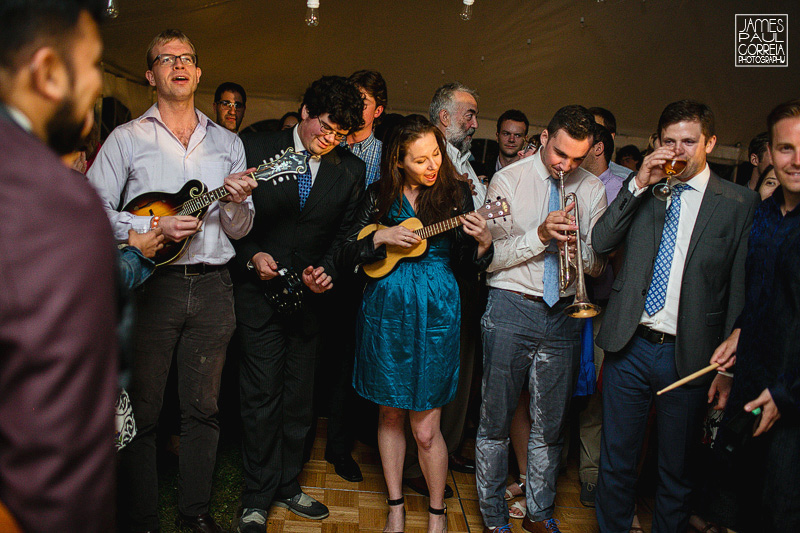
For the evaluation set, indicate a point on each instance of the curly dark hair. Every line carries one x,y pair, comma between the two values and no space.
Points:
337,97
434,203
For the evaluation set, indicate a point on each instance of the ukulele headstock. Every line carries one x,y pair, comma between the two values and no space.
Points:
494,209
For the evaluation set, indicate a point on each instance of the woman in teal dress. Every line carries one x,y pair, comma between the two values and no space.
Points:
408,332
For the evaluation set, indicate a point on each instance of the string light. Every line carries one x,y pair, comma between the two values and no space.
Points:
112,11
312,13
466,11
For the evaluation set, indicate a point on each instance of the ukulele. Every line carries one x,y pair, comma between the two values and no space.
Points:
491,210
194,198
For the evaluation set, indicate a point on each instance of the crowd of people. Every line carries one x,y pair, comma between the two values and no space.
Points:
427,282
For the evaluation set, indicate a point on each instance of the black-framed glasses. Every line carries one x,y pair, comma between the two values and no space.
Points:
326,130
168,60
231,105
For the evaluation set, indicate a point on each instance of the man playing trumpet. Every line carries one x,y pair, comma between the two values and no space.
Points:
528,340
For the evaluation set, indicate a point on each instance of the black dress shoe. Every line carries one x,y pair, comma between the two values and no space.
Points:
418,484
345,467
461,464
203,523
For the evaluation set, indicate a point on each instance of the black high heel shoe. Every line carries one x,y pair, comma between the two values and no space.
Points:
393,503
440,512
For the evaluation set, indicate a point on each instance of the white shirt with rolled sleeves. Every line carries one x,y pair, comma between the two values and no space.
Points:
666,319
518,263
461,162
143,155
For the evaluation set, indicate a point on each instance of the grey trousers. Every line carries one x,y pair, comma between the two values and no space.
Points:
525,343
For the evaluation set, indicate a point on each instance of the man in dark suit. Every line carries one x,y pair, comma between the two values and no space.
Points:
678,293
58,346
298,225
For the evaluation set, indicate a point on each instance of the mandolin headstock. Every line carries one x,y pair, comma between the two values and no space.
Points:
286,165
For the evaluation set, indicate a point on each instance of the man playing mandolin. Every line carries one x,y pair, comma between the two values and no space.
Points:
189,303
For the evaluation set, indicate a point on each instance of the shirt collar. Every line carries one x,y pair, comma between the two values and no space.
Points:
698,182
20,118
154,113
456,156
538,165
366,143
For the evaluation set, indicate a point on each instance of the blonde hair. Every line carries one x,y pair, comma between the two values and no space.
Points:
163,38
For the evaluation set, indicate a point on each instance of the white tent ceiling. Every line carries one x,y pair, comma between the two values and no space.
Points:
631,56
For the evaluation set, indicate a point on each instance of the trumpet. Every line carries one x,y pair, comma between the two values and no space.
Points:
568,273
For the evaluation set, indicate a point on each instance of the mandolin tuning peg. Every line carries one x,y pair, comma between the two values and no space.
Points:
264,161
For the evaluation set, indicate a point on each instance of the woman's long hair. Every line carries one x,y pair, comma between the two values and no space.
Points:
434,203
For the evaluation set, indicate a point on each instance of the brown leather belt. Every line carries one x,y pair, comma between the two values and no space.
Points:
656,337
193,270
530,297
534,298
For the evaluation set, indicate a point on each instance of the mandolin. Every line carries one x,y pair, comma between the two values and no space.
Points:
194,198
491,210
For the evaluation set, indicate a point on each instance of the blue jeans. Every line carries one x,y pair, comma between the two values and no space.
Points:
525,343
630,380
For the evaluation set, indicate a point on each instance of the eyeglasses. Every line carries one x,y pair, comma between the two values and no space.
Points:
168,60
231,105
326,130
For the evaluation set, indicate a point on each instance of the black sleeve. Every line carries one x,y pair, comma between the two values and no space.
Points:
355,251
464,250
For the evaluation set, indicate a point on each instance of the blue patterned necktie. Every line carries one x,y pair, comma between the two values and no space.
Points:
657,293
304,181
551,289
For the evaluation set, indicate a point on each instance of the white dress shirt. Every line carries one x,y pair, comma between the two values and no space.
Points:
461,162
313,161
666,319
143,155
518,263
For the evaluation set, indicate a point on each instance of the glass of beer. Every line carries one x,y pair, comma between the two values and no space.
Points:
673,167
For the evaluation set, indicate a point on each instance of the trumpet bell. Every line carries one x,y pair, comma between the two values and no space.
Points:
582,310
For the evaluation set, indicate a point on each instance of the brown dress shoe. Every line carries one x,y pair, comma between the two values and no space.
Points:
203,523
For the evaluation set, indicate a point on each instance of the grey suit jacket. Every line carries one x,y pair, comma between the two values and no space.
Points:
712,290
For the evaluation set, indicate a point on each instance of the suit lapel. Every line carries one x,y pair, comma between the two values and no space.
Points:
288,185
326,177
707,206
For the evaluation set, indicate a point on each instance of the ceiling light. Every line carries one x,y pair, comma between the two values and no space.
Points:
312,13
466,11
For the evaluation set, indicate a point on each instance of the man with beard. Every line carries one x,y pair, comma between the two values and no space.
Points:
58,347
454,110
186,307
528,340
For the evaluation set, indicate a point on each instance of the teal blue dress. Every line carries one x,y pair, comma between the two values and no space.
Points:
408,332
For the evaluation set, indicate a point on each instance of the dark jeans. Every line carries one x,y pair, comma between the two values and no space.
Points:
191,316
525,344
276,382
630,380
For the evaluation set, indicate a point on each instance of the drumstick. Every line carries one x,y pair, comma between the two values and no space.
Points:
688,378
